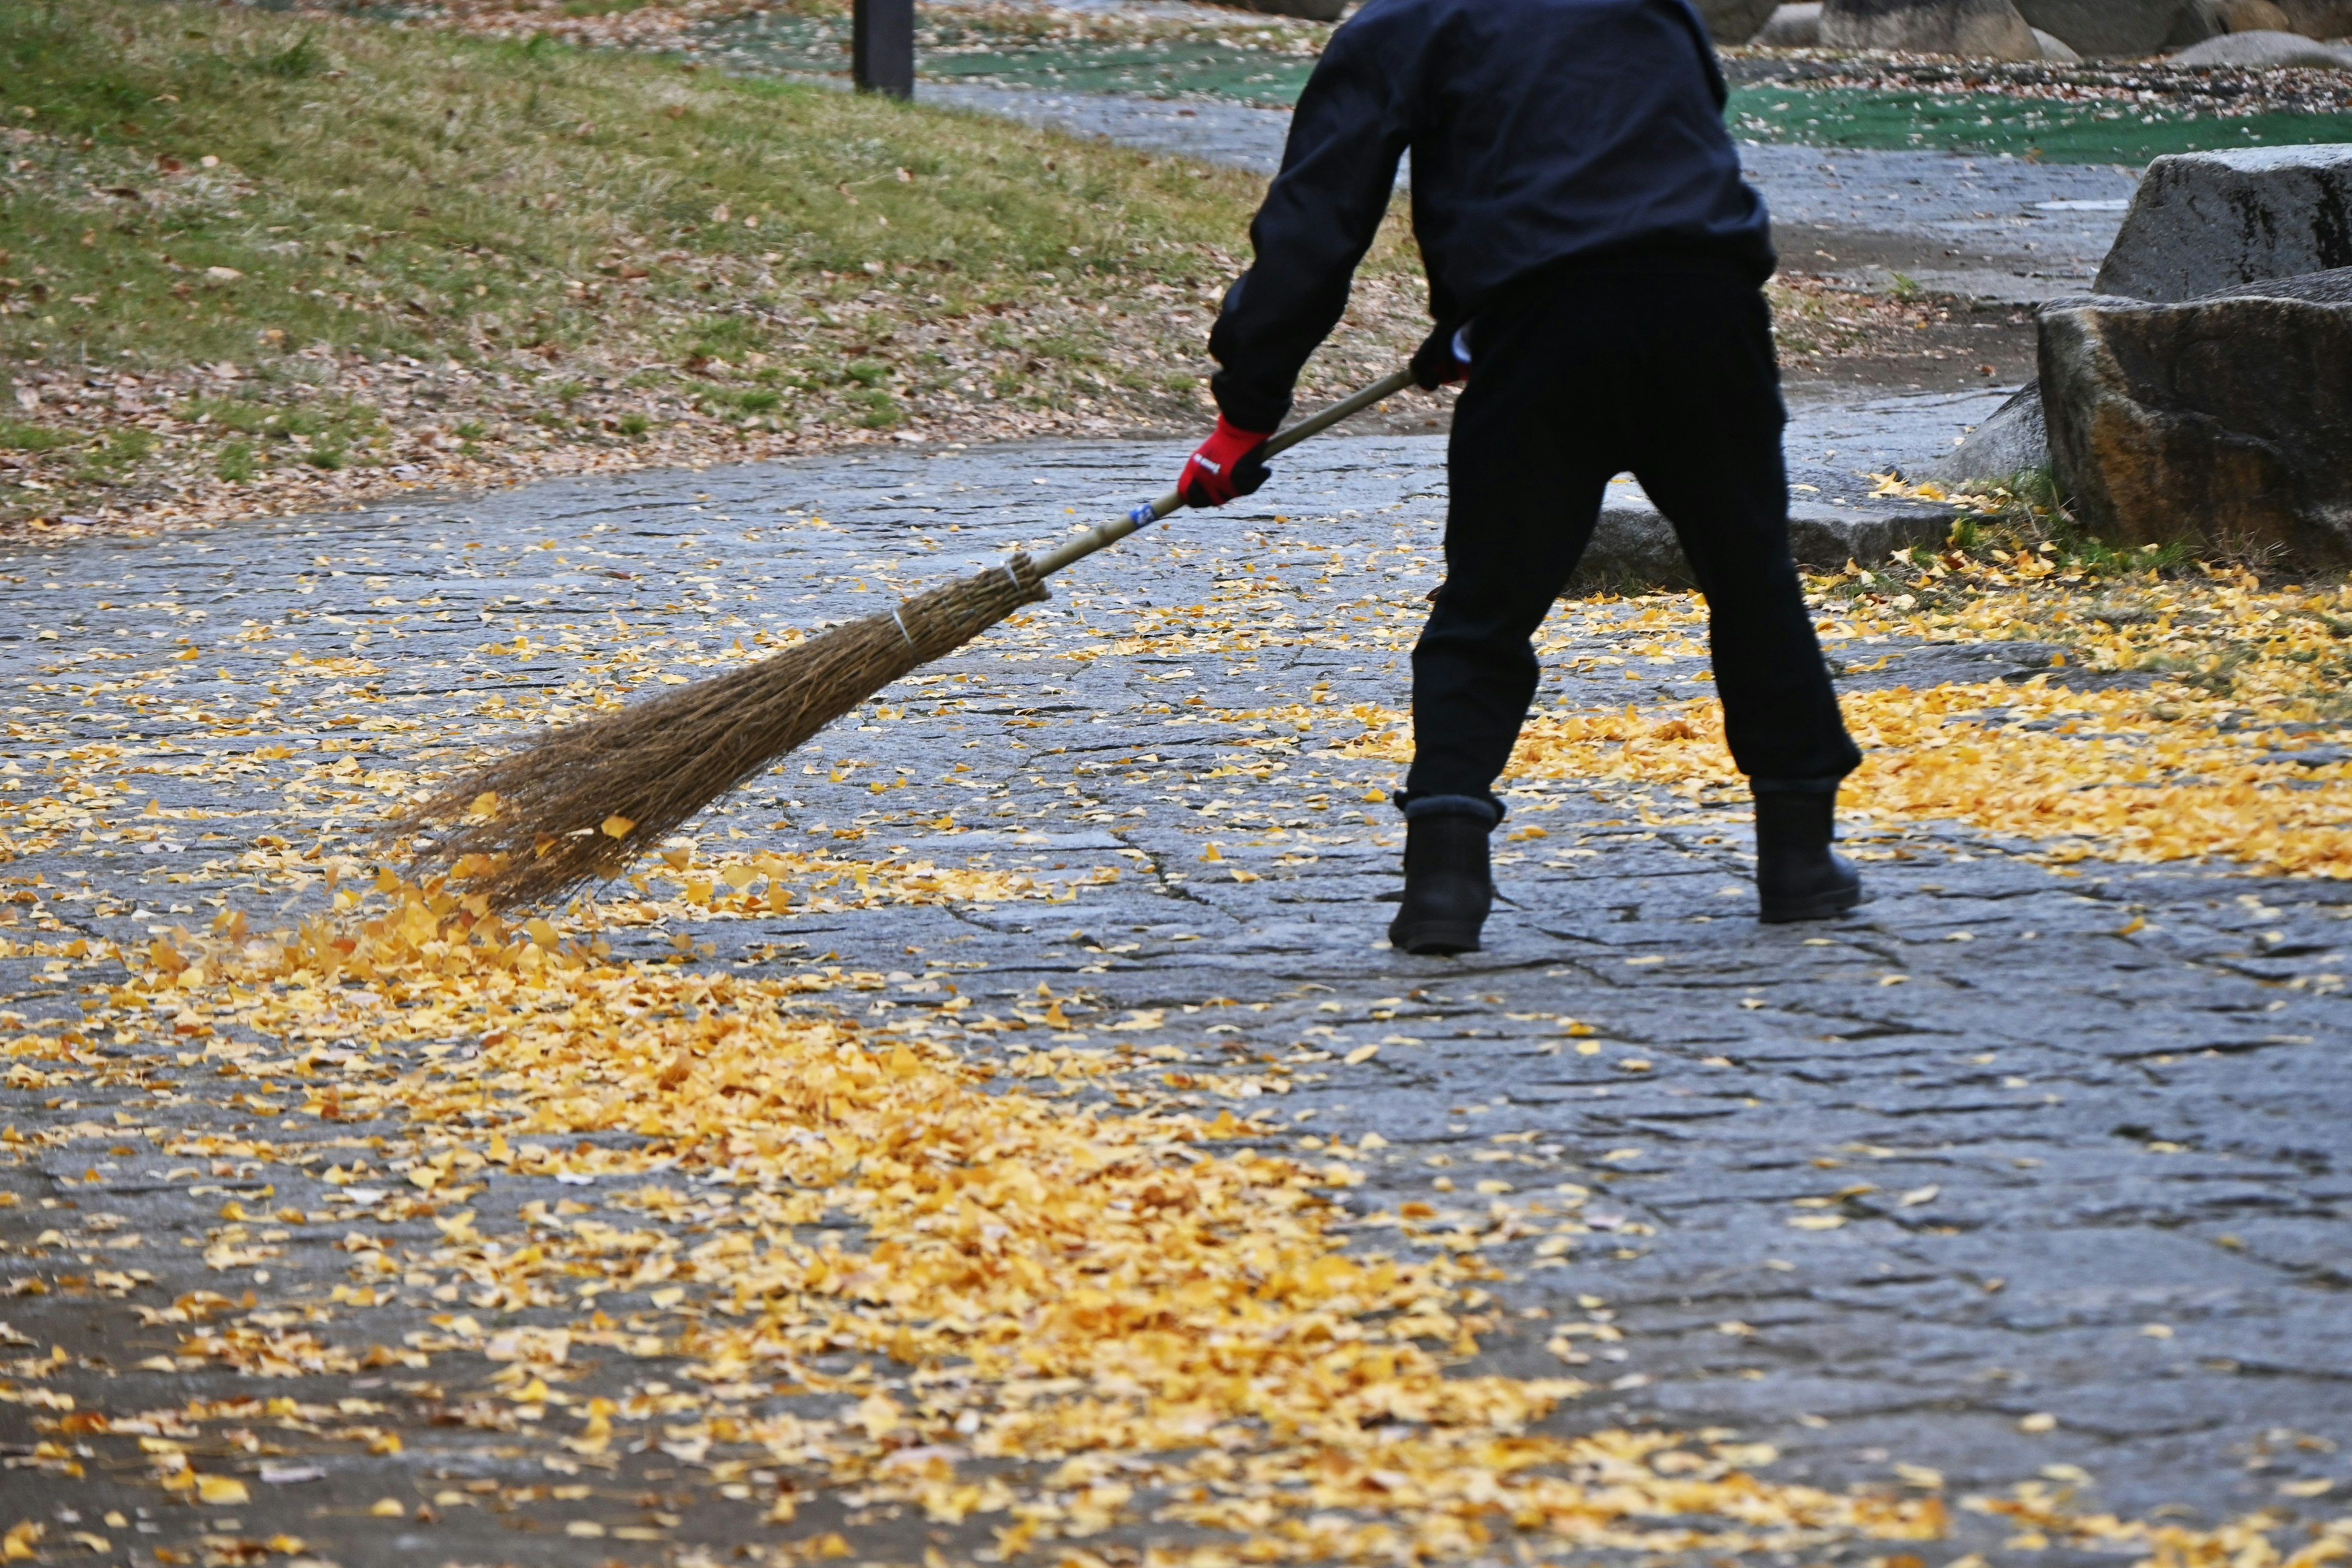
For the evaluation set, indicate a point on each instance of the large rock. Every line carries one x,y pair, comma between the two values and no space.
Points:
2266,50
2201,222
1797,27
2095,28
2206,221
2318,18
2012,440
1834,517
2203,19
2248,16
1979,29
1734,21
2223,423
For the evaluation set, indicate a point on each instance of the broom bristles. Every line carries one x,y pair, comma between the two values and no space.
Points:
582,802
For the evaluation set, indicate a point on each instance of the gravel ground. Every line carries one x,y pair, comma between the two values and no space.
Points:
2020,1178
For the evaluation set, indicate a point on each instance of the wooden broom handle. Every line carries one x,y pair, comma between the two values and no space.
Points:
1109,533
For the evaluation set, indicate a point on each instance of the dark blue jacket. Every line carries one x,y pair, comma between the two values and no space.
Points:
1544,133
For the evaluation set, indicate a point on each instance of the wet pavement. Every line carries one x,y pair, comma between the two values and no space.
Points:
2023,1174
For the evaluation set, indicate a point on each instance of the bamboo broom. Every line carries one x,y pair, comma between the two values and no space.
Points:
583,801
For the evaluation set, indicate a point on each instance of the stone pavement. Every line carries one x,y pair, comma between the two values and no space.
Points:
2021,1174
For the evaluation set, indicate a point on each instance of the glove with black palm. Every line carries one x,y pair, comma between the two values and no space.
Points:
1229,463
1442,358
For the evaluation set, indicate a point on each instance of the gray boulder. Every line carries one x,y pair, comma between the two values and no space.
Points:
2265,51
2012,440
1978,30
2206,221
2056,48
2095,28
2221,422
1834,517
2201,222
1793,27
1734,21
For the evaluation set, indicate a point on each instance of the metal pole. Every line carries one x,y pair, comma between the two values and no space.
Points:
882,46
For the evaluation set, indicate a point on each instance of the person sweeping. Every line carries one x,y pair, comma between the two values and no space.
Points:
1595,267
1591,249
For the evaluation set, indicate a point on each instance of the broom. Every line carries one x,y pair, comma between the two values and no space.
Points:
583,801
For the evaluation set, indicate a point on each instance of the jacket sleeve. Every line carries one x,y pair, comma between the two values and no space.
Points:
1320,215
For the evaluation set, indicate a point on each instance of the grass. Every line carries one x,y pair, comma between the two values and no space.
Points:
379,190
2027,534
16,436
508,184
366,223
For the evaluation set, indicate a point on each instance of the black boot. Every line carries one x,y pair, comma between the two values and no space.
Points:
1797,876
1447,885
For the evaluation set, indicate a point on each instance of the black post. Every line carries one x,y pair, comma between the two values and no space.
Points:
882,46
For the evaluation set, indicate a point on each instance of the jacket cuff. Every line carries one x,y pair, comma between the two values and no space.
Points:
1248,410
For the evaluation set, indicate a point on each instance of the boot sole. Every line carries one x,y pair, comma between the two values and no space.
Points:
1435,941
1818,906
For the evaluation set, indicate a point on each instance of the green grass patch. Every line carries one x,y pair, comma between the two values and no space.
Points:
2029,514
878,410
229,185
110,459
17,436
337,421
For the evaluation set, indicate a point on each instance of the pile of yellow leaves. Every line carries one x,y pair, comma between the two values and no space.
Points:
2208,759
1156,1323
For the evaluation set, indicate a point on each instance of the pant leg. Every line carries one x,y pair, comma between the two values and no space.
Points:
1526,480
1709,453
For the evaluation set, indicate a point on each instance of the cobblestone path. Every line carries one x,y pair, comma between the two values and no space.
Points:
2024,1175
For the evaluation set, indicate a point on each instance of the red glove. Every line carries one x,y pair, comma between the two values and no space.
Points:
1228,464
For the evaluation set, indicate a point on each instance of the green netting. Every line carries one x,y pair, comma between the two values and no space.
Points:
1175,67
2056,131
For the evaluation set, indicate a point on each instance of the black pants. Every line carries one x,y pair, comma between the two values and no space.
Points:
1665,368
